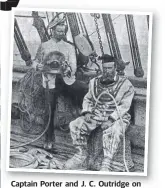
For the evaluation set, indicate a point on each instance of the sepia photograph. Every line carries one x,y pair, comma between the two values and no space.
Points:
80,92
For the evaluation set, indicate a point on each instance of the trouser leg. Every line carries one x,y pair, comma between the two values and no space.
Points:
51,99
80,131
76,92
111,139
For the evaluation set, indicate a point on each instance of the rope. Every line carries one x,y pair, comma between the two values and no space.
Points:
103,25
30,159
121,120
29,90
34,140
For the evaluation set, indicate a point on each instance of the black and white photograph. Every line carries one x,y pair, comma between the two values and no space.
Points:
80,92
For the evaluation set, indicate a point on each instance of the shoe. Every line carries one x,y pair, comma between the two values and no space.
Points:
45,145
48,145
106,165
76,162
105,169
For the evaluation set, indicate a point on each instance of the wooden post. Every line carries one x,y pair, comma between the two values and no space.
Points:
138,70
113,43
22,47
39,24
111,36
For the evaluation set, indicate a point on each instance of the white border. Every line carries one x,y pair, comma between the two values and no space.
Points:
147,100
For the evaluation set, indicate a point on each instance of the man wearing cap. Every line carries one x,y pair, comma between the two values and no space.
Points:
47,54
100,110
56,43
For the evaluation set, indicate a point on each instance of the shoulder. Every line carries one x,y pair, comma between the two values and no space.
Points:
94,80
44,44
126,84
67,44
125,80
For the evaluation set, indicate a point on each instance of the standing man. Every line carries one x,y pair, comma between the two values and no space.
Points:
49,53
99,109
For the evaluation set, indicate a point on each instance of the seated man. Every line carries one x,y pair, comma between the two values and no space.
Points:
106,105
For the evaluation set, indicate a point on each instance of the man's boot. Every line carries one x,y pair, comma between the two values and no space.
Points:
106,164
78,160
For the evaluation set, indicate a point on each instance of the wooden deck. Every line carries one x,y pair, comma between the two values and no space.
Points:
63,148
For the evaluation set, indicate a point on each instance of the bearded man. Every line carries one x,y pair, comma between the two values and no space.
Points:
106,105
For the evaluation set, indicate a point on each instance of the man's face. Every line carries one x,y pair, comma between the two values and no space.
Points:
59,32
109,71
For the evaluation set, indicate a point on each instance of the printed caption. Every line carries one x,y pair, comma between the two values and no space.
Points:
83,184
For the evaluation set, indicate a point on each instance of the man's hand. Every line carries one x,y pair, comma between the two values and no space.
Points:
88,117
67,72
66,69
39,67
107,124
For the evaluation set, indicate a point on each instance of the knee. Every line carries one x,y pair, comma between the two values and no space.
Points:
72,125
112,131
117,132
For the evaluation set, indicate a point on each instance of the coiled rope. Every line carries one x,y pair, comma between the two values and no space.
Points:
38,137
28,82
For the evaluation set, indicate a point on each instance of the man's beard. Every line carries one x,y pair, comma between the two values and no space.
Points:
108,78
58,38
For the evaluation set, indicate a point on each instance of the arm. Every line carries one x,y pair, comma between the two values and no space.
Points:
72,59
125,102
88,102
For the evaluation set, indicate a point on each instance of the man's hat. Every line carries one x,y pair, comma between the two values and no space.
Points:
107,58
119,63
56,21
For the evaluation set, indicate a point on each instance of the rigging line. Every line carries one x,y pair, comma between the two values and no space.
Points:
107,34
114,38
130,42
74,27
27,16
85,28
81,17
136,43
133,35
110,45
47,17
82,29
103,25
